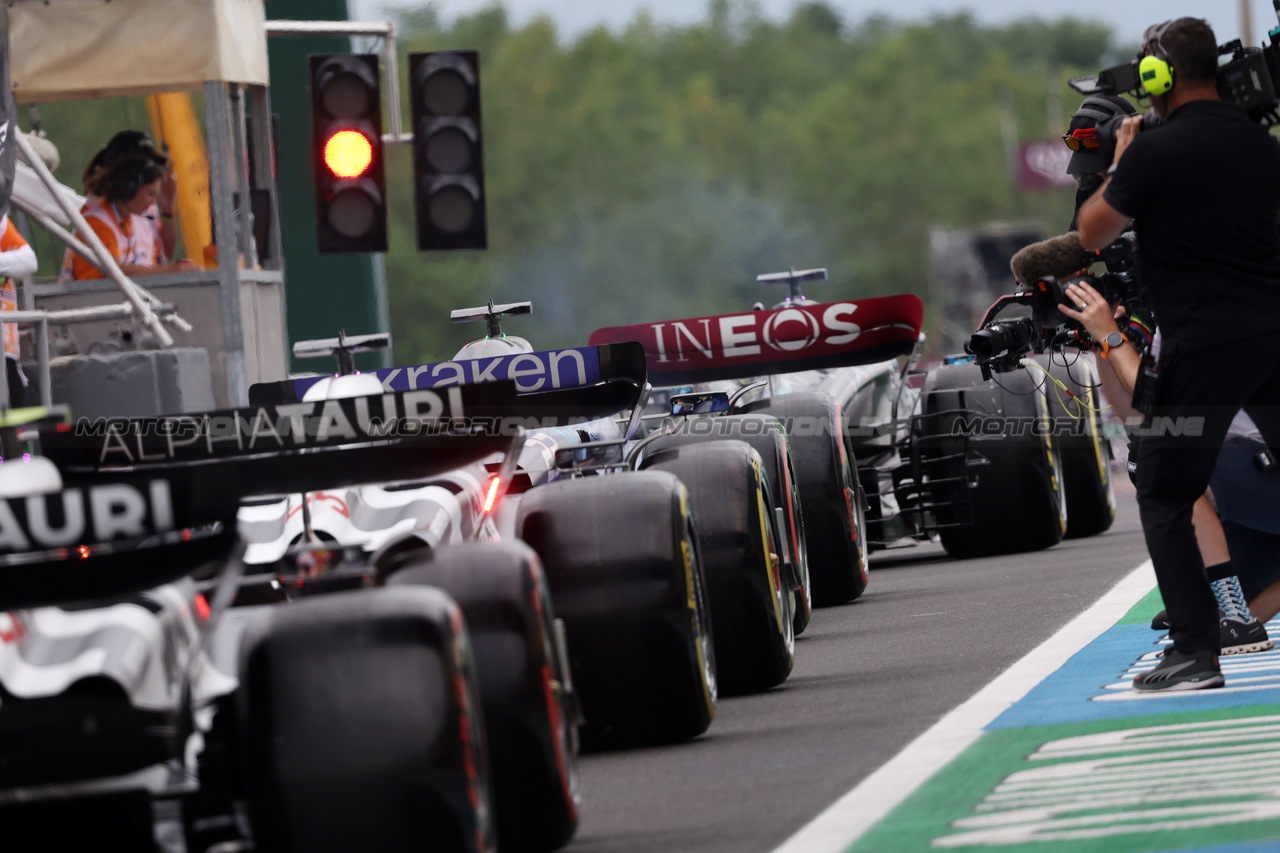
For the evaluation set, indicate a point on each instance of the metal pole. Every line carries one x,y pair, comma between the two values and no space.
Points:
118,311
217,132
1246,23
245,213
381,29
42,362
107,263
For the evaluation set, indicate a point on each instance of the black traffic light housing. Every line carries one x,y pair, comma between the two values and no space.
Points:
448,161
346,148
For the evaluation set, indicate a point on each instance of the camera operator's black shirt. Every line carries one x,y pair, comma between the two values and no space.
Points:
1203,190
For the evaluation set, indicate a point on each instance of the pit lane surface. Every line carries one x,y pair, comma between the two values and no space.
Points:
869,678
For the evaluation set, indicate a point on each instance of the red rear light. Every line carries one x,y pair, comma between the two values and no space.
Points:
491,497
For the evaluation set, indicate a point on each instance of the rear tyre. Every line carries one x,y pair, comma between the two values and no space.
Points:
626,577
361,727
829,493
1018,503
750,600
529,715
1086,454
765,434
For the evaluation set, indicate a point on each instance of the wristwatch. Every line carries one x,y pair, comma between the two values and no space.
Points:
1111,341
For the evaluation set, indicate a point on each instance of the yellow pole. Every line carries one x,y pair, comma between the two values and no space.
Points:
176,130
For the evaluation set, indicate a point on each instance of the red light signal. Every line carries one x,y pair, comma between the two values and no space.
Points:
346,132
348,154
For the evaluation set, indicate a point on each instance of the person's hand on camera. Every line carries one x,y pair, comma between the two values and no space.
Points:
1091,310
1125,134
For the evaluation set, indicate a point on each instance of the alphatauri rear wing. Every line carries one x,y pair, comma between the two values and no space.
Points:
298,446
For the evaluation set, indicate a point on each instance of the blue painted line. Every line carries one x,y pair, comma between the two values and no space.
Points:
1267,845
1078,690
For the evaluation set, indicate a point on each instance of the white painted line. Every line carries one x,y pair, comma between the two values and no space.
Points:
845,821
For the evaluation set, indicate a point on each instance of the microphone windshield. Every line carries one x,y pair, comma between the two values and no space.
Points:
1060,257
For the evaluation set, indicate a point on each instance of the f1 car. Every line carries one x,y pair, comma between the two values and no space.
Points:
573,518
337,707
622,563
989,467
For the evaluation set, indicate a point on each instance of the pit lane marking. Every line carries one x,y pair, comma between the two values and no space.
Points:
861,808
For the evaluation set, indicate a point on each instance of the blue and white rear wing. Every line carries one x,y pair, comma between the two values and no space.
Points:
561,379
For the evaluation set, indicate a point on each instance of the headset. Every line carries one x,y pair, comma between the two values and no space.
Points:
128,176
1155,71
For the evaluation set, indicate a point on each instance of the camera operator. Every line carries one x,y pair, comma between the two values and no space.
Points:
1204,190
1239,535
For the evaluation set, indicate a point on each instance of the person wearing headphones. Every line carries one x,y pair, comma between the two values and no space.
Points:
1240,550
119,197
1203,190
160,215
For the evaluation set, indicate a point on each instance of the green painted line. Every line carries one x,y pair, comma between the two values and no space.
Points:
1144,610
1155,783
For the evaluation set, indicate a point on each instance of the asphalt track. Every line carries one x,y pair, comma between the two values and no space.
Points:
869,678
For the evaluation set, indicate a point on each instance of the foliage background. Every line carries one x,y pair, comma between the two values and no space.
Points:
653,172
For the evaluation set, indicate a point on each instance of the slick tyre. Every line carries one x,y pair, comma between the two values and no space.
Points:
529,711
830,500
750,604
1086,453
359,716
766,435
1017,503
626,577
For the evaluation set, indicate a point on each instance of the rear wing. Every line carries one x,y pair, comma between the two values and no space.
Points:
114,537
576,382
794,337
296,447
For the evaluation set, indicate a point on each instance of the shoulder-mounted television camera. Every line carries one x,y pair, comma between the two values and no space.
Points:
1002,339
1248,79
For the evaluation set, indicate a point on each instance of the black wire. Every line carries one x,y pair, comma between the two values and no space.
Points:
1034,390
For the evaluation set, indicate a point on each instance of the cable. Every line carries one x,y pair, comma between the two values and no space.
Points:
1007,390
1084,400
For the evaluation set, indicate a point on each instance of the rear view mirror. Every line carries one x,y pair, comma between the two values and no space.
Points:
587,456
700,404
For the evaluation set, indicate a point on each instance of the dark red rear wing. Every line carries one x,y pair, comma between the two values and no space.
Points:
779,340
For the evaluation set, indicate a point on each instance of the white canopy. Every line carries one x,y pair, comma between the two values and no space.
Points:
76,49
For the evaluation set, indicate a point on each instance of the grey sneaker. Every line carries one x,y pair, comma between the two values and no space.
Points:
1241,632
1160,622
1179,671
1240,637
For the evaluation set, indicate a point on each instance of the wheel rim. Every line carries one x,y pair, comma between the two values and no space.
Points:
704,642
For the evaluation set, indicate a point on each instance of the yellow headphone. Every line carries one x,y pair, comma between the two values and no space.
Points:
1155,72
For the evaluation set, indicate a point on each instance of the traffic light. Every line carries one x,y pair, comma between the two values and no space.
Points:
346,134
448,163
